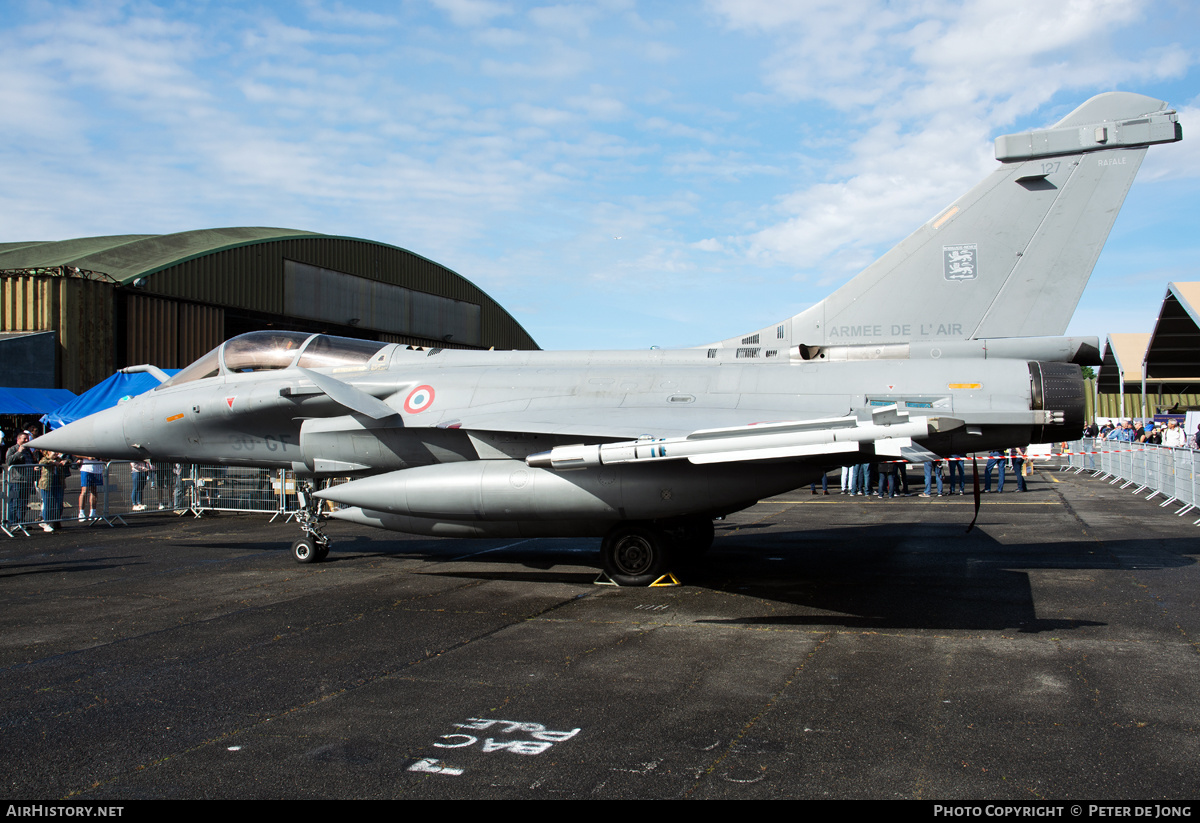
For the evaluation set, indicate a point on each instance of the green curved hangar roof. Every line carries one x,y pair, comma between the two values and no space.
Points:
246,269
127,257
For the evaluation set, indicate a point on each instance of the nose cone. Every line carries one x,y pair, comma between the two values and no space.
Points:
98,435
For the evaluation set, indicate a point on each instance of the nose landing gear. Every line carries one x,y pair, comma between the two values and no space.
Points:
314,546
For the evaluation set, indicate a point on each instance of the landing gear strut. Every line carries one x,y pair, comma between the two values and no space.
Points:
314,546
693,536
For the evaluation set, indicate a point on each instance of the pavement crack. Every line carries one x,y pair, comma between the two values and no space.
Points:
762,713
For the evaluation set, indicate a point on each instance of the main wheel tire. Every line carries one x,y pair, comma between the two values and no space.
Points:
636,555
305,551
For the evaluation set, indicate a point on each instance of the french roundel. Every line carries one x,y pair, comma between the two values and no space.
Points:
419,399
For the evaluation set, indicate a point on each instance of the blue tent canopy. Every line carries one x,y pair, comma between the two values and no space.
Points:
32,401
103,395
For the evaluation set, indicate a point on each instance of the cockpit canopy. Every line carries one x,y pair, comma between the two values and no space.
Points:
269,350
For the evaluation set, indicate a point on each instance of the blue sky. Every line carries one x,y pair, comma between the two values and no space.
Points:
617,174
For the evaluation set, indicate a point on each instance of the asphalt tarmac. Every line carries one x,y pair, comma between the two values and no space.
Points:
828,647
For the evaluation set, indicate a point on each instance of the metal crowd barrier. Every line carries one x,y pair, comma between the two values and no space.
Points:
32,497
1161,470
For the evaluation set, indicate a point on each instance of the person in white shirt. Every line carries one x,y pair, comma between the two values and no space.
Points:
1174,436
91,480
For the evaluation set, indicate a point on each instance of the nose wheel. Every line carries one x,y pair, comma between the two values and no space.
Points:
314,546
307,550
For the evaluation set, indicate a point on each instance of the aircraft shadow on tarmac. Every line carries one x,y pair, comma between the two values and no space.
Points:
41,566
878,577
916,575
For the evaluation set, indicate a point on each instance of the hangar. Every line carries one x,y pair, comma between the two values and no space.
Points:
1144,374
167,299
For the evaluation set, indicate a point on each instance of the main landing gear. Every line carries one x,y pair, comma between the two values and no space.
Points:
638,554
314,546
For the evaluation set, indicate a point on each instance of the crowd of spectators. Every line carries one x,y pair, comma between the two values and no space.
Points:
1169,434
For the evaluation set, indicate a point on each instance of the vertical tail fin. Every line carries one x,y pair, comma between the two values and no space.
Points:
1011,257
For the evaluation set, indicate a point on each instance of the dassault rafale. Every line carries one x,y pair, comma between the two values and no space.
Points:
948,344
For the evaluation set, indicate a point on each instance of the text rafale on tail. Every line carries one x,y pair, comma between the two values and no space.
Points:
947,344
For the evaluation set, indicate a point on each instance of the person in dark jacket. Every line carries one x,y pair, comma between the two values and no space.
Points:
20,480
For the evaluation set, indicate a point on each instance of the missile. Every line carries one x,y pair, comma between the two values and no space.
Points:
889,430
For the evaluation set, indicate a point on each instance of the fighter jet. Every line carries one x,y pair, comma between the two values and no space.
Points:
950,343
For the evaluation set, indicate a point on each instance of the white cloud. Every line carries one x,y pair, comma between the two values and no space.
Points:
706,164
272,38
558,63
132,60
570,20
599,104
339,14
543,115
37,107
932,83
769,15
833,51
498,38
675,128
470,13
658,52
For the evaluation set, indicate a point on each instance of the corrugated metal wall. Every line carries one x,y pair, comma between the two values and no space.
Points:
251,277
169,334
201,329
1110,402
151,331
81,311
